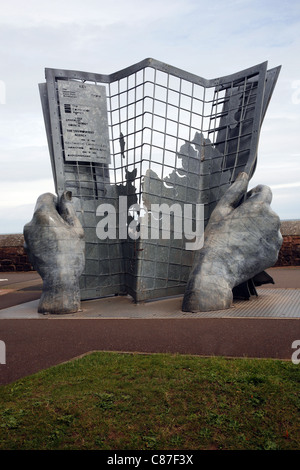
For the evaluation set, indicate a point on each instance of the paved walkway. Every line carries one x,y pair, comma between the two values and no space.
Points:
263,327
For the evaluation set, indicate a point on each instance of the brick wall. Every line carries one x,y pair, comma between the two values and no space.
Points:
14,258
289,254
12,254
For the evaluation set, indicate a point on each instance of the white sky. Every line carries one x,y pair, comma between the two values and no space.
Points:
209,39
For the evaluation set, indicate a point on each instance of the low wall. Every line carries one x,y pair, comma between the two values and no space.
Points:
289,254
14,258
12,254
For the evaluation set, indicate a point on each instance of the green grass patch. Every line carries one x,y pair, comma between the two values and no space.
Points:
143,402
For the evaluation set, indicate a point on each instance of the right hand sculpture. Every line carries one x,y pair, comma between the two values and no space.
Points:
54,241
240,241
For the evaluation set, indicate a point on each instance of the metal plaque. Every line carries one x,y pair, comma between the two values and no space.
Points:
84,121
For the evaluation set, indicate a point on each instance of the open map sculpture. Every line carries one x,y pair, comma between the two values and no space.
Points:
153,135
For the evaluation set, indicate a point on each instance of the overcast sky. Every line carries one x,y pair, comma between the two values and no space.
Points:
207,38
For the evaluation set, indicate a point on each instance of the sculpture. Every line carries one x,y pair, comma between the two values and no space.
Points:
153,134
54,241
241,240
182,139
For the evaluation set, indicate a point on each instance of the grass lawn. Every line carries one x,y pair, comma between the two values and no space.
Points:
160,401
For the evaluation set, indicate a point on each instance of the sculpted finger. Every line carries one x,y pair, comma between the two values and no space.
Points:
45,211
259,194
45,217
66,208
67,211
231,199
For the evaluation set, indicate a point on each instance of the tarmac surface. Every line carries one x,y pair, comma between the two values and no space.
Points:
263,327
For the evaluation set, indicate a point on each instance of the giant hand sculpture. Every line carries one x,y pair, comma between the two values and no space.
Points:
241,240
54,241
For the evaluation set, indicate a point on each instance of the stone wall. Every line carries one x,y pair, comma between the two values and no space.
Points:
14,258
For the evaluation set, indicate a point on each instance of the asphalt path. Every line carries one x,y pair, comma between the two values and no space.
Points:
32,345
35,344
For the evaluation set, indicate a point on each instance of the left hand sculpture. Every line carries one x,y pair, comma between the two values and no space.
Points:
240,241
54,241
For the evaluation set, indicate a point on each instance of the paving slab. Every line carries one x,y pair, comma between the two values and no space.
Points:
270,303
21,291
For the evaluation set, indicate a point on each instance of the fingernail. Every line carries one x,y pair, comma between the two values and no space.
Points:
67,195
242,176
